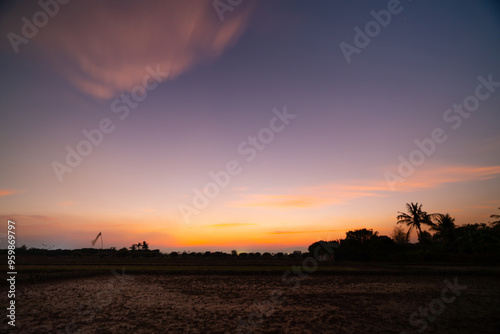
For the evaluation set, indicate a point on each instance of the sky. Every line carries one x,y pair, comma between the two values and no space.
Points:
247,125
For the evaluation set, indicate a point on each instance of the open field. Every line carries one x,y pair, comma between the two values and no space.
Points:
38,269
230,302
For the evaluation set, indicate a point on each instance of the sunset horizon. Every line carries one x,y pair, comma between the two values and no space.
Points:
256,127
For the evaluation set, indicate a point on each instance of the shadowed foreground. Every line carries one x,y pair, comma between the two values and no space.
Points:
260,303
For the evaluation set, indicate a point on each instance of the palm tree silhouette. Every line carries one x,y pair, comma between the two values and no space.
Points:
497,217
415,218
444,228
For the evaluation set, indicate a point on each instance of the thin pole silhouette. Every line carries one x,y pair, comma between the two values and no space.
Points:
93,241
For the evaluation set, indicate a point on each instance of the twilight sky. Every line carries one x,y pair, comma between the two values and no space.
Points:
262,126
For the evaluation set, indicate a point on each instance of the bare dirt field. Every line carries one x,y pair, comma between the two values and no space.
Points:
117,303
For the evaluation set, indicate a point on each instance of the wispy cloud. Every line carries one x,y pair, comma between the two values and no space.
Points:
27,217
109,54
318,196
311,197
428,179
230,225
7,192
489,204
284,201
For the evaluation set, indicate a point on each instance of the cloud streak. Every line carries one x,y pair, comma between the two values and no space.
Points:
7,192
230,225
29,218
428,179
319,196
103,49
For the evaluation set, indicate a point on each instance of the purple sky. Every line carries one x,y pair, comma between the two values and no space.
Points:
323,172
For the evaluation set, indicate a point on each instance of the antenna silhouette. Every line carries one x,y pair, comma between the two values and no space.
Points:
94,241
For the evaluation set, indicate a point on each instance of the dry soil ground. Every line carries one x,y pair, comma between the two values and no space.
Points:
118,303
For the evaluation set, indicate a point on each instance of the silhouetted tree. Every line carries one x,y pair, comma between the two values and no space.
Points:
424,238
496,217
415,218
361,235
321,250
478,238
399,236
444,228
22,249
364,244
145,245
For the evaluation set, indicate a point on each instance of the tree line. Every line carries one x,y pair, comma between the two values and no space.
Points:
444,241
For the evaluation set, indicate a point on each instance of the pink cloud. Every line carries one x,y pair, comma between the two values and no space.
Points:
7,192
283,201
428,179
104,47
318,196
